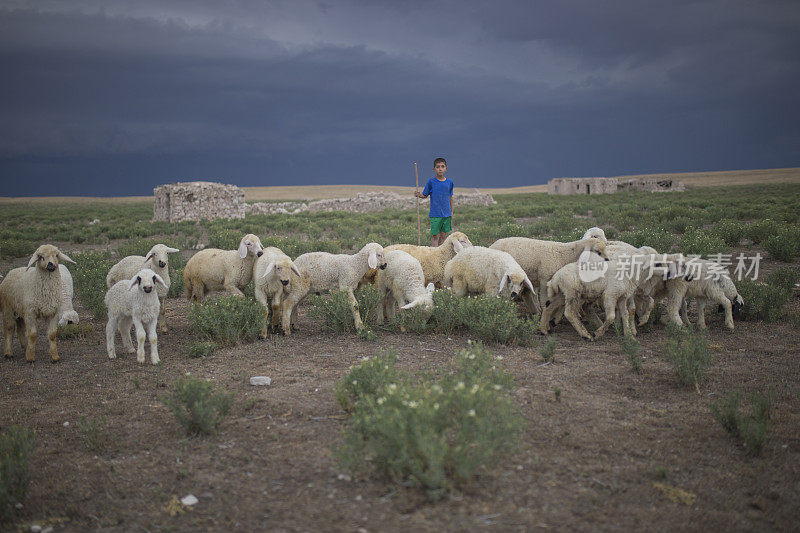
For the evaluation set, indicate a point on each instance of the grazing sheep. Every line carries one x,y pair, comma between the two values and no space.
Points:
230,270
433,259
711,283
273,280
402,282
541,259
595,233
29,293
480,270
134,303
322,271
157,261
66,312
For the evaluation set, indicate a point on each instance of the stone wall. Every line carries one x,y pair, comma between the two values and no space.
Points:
197,200
612,185
651,185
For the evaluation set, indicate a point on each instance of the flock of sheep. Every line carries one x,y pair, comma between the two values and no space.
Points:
575,280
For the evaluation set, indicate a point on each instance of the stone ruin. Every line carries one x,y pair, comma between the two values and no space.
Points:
197,200
365,202
613,185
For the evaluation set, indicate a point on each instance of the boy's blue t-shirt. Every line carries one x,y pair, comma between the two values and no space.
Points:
440,193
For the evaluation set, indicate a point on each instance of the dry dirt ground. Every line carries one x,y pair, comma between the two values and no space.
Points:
590,459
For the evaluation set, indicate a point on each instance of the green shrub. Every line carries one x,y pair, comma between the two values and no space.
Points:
74,331
784,246
227,320
16,448
730,231
365,380
687,350
656,238
197,405
225,239
89,275
548,348
633,351
763,301
334,313
750,429
435,434
176,265
94,434
416,320
11,248
783,278
698,241
201,349
759,231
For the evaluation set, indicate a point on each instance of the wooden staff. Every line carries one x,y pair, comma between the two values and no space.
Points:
416,189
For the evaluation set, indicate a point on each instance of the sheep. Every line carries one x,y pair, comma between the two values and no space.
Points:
402,282
433,259
322,271
480,270
29,293
66,312
711,283
541,259
157,261
229,270
615,289
273,280
596,233
134,302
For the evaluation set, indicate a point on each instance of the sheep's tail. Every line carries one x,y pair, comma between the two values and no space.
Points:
552,289
187,286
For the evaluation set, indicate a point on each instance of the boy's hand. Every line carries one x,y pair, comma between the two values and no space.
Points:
418,194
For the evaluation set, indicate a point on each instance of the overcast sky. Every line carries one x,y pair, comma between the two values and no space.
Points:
114,97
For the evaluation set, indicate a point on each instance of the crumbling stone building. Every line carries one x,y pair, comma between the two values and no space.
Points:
613,185
197,200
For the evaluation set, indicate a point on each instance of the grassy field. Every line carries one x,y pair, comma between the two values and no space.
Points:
609,436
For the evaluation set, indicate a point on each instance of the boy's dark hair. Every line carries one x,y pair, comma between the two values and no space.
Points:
439,160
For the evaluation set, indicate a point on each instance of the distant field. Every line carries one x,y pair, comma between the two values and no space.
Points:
318,192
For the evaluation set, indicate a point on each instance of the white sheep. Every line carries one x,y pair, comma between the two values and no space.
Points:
273,280
480,270
433,259
402,283
711,283
596,233
29,293
322,272
66,313
541,259
134,302
156,260
230,270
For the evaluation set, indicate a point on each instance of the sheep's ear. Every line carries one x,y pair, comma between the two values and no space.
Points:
270,268
150,255
159,279
296,270
171,250
243,249
529,285
457,246
372,260
134,281
34,258
430,288
410,305
503,283
64,257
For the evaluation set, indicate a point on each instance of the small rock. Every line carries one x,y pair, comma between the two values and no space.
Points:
65,424
18,506
95,221
260,380
189,500
344,477
36,528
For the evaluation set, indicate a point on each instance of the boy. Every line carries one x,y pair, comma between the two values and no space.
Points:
440,189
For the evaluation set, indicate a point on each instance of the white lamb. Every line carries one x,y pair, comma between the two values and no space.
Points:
711,283
273,280
29,293
402,283
322,272
66,312
156,260
433,259
596,233
230,270
479,270
541,259
134,302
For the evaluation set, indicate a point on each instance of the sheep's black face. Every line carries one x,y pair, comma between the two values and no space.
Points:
147,289
383,266
259,253
162,264
284,282
50,267
737,309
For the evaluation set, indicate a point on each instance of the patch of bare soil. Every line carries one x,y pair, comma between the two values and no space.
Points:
590,458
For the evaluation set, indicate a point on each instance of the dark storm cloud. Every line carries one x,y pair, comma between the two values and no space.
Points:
119,96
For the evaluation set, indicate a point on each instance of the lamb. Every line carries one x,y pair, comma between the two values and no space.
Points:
322,271
273,281
480,270
157,261
66,312
134,302
596,233
541,259
433,259
229,270
29,293
711,284
402,282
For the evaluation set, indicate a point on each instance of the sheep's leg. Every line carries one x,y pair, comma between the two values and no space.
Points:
726,304
9,324
162,317
392,303
354,307
631,316
609,306
685,312
701,312
648,303
625,316
111,330
22,333
140,339
287,308
572,312
459,287
544,319
152,334
32,335
52,327
674,304
380,308
542,294
592,316
231,288
124,327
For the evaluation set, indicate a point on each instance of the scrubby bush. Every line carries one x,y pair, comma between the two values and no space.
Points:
784,278
16,448
687,350
698,241
201,349
657,238
89,280
750,429
759,231
415,320
197,405
227,320
729,231
74,331
785,245
367,378
435,434
763,301
633,351
334,313
548,348
94,433
14,247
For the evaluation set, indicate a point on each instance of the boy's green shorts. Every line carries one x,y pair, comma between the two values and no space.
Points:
440,224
